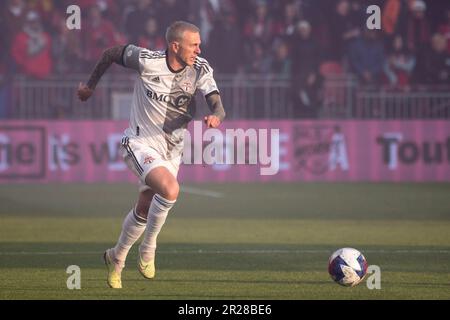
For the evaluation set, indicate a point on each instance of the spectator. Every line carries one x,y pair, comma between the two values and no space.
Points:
3,75
436,64
342,30
98,34
286,25
306,80
225,58
67,50
280,61
243,10
135,21
444,29
260,26
366,57
394,17
46,11
358,13
31,49
12,18
172,10
399,65
205,17
256,59
3,42
206,13
418,32
150,37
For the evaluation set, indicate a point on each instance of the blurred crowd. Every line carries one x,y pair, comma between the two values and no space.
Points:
305,40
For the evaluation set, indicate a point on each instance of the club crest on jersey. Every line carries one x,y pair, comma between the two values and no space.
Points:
186,86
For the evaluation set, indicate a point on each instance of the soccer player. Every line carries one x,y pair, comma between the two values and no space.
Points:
162,105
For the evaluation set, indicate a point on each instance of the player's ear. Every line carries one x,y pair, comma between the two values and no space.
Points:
175,46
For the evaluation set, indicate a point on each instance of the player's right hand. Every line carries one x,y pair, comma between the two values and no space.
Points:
84,92
212,121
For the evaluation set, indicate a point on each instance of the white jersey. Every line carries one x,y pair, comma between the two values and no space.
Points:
163,100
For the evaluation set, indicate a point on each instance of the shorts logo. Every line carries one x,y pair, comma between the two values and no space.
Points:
149,160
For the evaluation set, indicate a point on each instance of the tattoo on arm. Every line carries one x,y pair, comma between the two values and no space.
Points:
109,56
215,105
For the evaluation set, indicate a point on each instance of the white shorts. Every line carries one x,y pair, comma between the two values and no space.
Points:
141,159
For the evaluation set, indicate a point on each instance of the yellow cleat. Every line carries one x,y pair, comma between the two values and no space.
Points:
147,269
114,277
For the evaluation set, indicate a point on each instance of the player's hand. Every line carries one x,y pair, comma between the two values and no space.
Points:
84,92
212,121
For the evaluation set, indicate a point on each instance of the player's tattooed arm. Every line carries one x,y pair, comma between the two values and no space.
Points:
218,112
215,105
109,56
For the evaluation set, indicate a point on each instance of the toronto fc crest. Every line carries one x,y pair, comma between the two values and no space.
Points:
186,86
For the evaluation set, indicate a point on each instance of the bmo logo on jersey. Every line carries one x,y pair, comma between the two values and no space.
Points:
160,97
179,102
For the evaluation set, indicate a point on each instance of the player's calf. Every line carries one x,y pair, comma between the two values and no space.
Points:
157,216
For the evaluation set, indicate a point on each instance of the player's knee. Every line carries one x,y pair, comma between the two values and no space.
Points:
170,190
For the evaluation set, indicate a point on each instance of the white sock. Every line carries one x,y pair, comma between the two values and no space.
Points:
132,228
157,215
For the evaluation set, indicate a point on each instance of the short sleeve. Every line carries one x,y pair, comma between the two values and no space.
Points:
131,57
206,83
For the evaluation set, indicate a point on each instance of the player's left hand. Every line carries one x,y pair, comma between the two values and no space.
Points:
212,121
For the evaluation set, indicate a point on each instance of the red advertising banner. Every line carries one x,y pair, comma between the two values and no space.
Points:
242,151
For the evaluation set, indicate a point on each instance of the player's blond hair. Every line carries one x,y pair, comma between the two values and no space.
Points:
175,30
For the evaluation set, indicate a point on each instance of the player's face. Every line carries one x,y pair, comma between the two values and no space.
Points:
189,47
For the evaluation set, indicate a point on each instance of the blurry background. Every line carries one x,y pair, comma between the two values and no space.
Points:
273,59
350,104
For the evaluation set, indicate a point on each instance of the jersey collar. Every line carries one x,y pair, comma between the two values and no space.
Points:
168,65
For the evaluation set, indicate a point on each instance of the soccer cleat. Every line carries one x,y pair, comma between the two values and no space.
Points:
147,269
114,278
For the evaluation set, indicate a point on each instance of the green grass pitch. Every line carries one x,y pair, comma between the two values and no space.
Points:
230,241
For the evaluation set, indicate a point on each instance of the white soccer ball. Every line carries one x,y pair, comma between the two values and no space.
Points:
347,266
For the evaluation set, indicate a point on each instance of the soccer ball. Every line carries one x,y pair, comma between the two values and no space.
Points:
347,266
